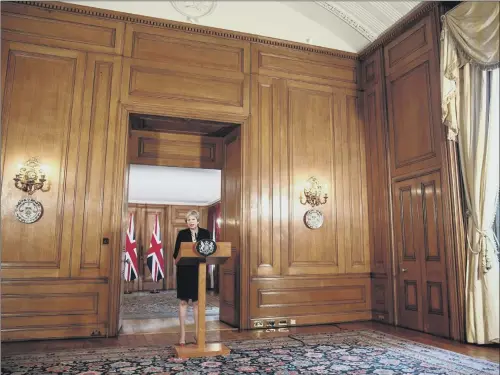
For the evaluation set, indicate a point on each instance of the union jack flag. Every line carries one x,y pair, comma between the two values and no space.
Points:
131,261
155,259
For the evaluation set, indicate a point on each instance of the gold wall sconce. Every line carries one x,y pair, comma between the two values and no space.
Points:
313,193
31,177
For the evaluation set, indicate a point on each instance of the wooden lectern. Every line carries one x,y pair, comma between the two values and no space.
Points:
188,255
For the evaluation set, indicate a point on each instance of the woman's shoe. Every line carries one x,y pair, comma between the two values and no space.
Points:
182,342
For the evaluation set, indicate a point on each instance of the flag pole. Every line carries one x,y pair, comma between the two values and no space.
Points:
126,281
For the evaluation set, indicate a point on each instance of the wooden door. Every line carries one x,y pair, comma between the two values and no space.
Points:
230,231
409,277
421,268
435,301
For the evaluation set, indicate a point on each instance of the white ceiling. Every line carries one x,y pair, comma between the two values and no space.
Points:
343,25
178,186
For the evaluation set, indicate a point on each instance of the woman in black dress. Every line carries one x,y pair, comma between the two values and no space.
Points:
187,276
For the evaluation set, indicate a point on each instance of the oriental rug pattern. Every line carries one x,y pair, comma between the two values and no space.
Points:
349,352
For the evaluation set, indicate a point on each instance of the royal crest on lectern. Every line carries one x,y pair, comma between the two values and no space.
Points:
206,247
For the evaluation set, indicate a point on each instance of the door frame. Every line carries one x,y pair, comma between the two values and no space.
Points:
119,217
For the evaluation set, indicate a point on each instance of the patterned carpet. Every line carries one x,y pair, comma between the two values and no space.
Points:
145,305
349,352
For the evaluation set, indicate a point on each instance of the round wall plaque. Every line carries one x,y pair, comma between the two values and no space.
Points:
313,219
28,210
206,247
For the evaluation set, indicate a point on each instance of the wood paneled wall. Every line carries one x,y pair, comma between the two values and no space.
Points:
409,183
181,150
307,121
73,75
59,105
378,186
172,219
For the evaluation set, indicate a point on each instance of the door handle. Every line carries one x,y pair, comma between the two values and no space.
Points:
404,269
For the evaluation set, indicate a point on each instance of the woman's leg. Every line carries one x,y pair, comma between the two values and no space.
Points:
195,313
182,319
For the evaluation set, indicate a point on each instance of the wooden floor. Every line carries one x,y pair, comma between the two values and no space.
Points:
491,353
170,325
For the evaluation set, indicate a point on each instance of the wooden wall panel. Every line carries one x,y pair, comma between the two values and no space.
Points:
378,186
408,46
41,112
309,134
411,69
330,123
310,300
60,29
413,113
301,128
153,44
54,308
178,150
91,257
308,67
357,255
377,170
231,229
189,87
270,188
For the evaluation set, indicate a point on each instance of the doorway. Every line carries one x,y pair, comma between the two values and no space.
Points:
197,148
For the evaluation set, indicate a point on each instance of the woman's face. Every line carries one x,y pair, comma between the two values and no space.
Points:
192,222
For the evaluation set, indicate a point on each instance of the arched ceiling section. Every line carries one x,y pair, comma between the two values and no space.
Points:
344,25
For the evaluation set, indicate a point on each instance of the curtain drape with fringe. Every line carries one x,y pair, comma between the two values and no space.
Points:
470,110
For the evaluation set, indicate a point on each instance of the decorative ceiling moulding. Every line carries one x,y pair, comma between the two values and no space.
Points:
334,9
399,27
190,28
194,10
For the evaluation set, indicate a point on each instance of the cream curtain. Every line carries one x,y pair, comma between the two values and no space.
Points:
470,109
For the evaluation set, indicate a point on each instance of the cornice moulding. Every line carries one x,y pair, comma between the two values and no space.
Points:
411,18
399,27
186,27
335,10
